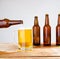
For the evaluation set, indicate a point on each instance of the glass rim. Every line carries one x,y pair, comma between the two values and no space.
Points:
25,28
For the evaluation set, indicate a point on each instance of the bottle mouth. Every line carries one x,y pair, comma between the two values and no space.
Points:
21,21
58,14
47,15
36,17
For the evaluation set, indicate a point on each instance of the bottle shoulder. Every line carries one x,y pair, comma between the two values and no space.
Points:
36,26
47,26
58,26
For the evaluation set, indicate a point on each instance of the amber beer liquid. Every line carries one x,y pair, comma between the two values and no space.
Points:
46,32
36,32
25,39
58,31
5,23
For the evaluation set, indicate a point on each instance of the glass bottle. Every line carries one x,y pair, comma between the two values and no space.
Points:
46,32
5,23
58,31
36,32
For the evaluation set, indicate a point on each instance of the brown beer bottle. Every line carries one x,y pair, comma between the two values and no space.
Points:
6,22
36,32
58,31
47,32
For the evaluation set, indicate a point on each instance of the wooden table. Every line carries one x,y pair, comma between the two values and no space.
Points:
11,51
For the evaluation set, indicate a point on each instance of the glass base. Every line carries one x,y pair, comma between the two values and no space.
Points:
25,48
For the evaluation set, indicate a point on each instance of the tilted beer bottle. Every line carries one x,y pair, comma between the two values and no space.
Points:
6,22
58,31
36,32
47,32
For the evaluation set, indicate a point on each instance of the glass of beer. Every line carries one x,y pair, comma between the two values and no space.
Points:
25,38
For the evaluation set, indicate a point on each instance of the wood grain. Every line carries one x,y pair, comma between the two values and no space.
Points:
11,51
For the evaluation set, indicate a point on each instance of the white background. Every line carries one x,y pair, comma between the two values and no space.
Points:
26,10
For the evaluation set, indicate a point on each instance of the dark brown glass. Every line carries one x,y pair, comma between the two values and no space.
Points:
36,32
6,23
46,32
58,31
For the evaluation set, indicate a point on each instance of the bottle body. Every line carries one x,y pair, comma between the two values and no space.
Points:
58,35
36,35
6,23
47,35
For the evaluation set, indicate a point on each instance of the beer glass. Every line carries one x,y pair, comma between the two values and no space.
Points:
25,38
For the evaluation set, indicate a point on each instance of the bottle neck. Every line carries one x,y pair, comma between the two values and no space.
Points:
47,19
59,19
14,22
36,21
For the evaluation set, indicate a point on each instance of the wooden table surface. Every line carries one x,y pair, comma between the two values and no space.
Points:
12,51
